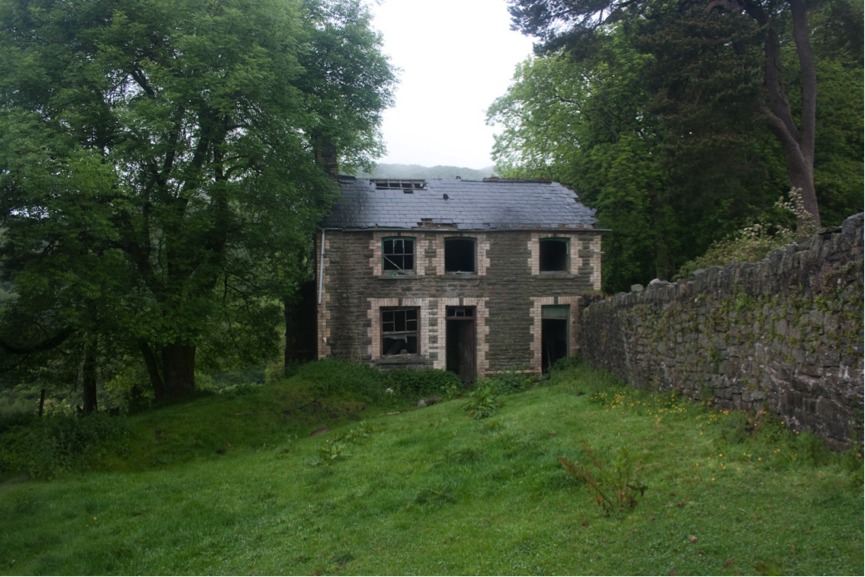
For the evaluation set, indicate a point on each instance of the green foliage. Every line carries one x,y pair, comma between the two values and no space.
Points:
240,389
332,377
159,174
613,480
453,390
359,435
483,400
334,447
432,478
567,363
658,122
754,243
590,122
511,380
330,453
51,446
413,384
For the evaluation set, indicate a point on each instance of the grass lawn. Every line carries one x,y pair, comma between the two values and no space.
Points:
433,491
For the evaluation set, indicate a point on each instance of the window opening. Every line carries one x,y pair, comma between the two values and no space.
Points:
398,254
554,254
407,186
399,331
460,255
459,312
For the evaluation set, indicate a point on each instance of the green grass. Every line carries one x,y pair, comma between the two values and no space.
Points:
433,491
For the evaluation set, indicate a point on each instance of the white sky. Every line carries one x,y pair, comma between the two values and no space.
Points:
456,57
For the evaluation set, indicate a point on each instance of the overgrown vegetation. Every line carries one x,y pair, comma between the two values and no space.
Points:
674,136
52,445
754,242
613,481
331,377
222,484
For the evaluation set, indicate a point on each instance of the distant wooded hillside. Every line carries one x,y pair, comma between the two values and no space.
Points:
418,171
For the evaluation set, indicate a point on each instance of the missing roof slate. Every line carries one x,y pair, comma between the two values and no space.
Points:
471,205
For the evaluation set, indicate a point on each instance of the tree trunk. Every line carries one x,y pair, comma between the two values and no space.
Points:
178,368
88,376
288,356
152,365
798,142
42,402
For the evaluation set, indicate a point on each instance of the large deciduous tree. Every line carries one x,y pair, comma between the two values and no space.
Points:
575,22
158,172
661,171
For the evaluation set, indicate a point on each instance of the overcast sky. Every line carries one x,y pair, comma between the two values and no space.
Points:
456,57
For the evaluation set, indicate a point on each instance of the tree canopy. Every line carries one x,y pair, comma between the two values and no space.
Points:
576,24
655,113
158,166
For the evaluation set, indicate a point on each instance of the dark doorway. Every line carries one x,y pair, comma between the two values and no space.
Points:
554,334
460,343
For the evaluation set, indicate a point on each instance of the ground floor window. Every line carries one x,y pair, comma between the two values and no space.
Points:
399,331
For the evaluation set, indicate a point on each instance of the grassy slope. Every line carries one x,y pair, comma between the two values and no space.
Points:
435,492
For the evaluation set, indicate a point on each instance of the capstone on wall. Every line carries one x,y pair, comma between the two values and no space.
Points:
506,291
785,333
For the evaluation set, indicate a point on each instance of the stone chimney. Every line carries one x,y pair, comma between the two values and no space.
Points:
326,156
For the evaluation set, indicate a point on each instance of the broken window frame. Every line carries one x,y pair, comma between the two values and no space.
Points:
474,251
397,260
548,242
406,322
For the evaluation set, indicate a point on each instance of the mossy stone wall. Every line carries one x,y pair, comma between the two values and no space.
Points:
785,333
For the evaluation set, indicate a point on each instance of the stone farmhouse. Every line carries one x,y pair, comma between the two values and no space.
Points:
474,277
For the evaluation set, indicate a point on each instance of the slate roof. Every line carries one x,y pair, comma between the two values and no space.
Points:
460,204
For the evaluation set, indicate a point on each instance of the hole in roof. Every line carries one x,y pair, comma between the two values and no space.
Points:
407,186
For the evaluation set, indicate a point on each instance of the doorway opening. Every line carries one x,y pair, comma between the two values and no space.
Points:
554,334
460,342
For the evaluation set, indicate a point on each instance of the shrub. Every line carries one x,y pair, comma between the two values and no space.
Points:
411,384
48,446
334,376
756,241
453,390
510,381
329,377
483,400
566,363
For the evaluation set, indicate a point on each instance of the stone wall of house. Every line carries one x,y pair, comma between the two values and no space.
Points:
507,291
785,333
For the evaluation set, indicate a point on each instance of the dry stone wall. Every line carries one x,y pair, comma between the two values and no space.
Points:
785,333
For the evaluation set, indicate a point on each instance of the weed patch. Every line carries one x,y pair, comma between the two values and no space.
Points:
613,481
483,401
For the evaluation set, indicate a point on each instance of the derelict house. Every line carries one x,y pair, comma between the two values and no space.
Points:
470,276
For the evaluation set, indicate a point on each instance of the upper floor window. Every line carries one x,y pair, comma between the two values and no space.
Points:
460,255
398,254
554,254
